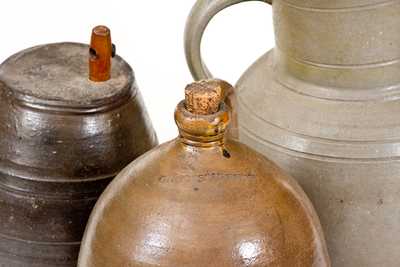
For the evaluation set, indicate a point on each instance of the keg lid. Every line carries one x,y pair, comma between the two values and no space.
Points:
59,74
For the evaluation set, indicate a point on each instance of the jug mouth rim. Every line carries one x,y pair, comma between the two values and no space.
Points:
346,6
46,85
202,128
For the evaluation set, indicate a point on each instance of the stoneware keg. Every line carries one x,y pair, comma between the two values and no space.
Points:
324,105
201,200
63,137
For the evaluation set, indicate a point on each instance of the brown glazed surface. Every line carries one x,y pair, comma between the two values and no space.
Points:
62,139
200,200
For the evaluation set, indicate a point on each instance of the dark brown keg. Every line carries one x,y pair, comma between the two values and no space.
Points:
203,200
63,137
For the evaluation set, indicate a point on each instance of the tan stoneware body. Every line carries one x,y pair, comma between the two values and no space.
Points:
324,105
200,200
62,140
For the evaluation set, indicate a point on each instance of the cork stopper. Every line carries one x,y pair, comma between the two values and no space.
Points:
101,52
204,97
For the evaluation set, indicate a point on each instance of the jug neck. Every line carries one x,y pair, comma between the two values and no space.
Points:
202,130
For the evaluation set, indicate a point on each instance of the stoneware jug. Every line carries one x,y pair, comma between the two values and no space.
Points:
324,105
63,137
200,200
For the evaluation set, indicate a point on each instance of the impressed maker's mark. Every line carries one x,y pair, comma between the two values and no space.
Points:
217,176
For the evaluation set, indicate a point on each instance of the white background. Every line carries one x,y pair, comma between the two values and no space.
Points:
149,35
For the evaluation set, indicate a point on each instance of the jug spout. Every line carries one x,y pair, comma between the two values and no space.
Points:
101,52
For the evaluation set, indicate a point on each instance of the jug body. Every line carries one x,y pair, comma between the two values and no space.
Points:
202,200
323,105
63,139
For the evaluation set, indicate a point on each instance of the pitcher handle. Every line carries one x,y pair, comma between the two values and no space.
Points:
200,16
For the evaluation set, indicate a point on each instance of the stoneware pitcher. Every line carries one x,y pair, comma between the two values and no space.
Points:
324,105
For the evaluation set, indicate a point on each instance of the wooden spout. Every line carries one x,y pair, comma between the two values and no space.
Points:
101,52
204,97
